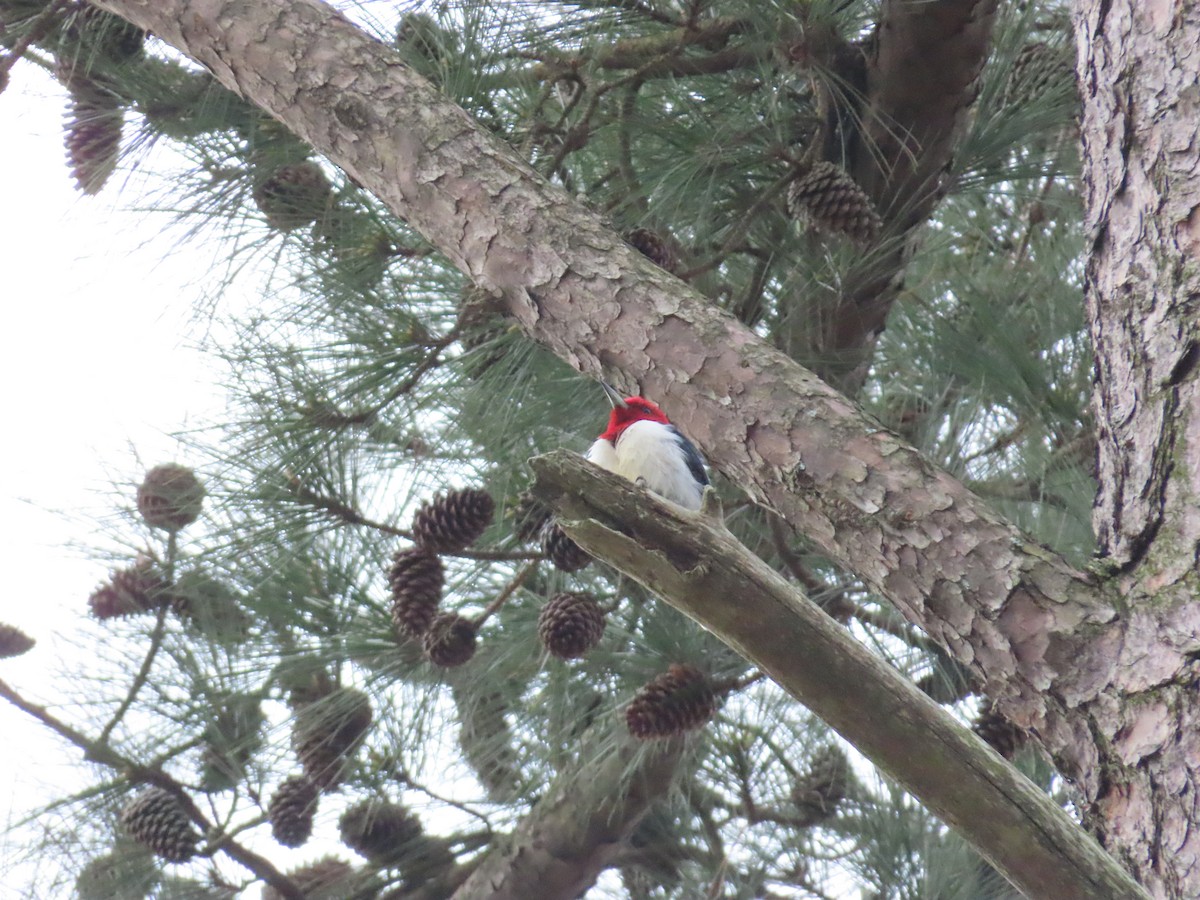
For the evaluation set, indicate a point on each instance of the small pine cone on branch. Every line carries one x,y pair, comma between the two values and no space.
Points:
155,819
137,589
681,699
416,578
529,517
453,520
832,201
570,624
13,641
818,792
566,555
326,733
93,138
170,497
379,830
1005,738
291,811
450,640
293,196
654,247
1039,69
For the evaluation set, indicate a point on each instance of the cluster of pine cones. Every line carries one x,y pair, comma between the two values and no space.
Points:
569,625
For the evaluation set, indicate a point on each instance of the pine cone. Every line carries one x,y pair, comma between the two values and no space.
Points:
230,740
291,811
416,579
566,555
138,589
450,640
1006,738
170,497
833,202
570,625
378,829
1039,69
328,878
155,819
92,137
529,515
326,733
293,196
453,520
681,699
654,247
818,791
13,641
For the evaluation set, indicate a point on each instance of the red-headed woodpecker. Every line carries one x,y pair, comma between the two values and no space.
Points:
642,445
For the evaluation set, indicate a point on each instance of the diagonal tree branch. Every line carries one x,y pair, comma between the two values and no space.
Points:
695,564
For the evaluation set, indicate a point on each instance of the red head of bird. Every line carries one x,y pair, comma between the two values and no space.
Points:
641,444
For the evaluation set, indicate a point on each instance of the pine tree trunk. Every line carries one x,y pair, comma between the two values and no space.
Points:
1138,77
1109,692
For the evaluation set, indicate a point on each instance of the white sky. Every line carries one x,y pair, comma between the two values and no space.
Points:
96,372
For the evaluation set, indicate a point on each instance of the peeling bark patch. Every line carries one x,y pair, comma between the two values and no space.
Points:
1145,660
1187,233
687,356
1028,627
1146,734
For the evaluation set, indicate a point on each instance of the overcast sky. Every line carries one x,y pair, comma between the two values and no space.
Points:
97,371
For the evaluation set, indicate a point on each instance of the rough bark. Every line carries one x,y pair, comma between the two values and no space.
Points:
1138,72
920,76
580,825
693,562
1058,649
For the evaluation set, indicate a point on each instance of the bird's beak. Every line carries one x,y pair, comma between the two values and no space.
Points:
613,397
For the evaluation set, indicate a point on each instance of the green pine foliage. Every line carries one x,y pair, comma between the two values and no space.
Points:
368,376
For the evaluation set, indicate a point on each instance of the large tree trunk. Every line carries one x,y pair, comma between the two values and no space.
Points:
1107,688
1138,71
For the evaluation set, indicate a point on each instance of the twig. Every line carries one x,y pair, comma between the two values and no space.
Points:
37,31
405,779
139,680
348,514
768,195
101,752
509,589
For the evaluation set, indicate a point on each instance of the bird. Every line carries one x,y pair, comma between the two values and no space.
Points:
641,444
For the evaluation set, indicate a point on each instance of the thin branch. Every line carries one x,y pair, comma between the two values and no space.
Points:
406,780
101,752
768,196
342,511
37,30
509,589
139,680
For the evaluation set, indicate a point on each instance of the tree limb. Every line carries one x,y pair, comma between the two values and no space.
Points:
694,563
575,830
